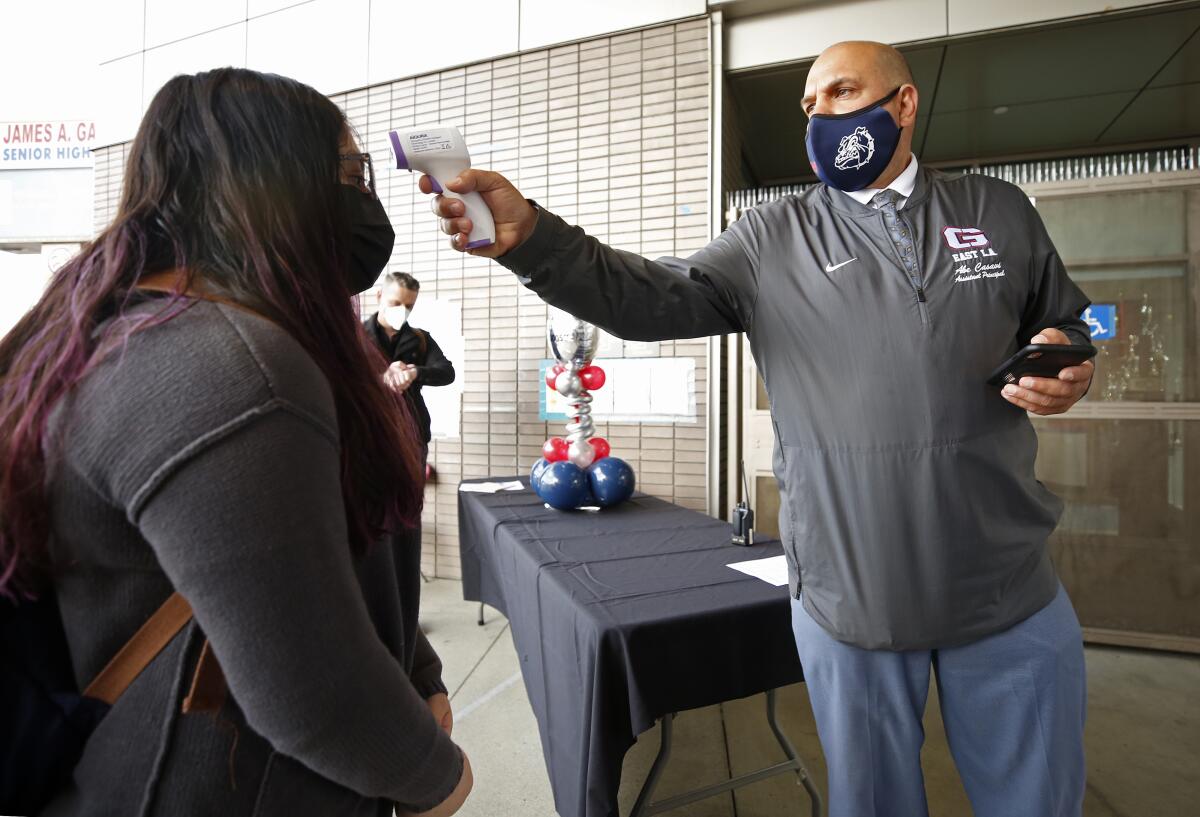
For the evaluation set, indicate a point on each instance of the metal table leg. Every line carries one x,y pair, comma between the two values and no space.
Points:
644,807
801,771
480,622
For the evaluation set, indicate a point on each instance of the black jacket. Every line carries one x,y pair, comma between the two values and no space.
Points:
433,369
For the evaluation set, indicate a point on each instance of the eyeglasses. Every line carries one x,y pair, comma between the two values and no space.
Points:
359,172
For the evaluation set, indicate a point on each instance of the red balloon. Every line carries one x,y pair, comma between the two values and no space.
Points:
601,446
552,373
555,449
592,377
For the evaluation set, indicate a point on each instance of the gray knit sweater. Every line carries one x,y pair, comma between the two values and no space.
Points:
204,457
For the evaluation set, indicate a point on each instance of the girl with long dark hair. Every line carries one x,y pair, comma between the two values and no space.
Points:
193,407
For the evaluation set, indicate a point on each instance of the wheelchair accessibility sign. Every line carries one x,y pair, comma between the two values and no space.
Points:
1101,320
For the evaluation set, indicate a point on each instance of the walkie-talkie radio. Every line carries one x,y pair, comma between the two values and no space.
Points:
743,517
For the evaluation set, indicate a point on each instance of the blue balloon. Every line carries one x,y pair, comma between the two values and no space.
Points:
612,481
564,485
535,474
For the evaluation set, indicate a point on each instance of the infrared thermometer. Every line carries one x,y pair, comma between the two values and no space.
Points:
440,153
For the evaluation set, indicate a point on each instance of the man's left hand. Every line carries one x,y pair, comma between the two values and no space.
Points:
1051,395
439,705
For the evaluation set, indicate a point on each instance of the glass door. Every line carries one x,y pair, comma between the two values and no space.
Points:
1126,460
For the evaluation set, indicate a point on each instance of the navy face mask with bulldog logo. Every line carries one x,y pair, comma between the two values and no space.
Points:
850,150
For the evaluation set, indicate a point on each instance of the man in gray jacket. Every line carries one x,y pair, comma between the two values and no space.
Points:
876,305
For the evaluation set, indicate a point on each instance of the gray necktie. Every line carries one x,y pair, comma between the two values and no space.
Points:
885,201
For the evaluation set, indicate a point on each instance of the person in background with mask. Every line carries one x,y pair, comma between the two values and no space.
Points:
211,422
417,360
876,305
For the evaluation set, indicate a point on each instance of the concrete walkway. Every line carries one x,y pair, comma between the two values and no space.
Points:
1143,738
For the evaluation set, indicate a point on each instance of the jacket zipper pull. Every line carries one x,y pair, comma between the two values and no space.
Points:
921,294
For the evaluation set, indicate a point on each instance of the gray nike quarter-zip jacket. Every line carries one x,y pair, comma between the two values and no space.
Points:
910,513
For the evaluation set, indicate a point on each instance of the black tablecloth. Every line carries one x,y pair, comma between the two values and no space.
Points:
620,617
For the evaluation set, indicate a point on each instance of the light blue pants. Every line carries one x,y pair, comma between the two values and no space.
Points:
1013,705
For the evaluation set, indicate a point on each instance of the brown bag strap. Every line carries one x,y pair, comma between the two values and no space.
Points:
169,281
140,650
422,344
208,684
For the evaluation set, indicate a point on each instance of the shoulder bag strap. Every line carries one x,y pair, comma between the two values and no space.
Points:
140,650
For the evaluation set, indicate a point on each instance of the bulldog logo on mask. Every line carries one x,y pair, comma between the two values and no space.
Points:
850,150
855,150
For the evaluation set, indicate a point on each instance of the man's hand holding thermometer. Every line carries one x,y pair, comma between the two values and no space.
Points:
480,210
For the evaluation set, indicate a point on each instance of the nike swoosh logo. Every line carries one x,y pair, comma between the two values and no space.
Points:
832,267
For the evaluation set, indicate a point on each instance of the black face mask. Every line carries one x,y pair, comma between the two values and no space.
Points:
371,238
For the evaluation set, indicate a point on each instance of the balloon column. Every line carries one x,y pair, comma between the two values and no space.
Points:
578,471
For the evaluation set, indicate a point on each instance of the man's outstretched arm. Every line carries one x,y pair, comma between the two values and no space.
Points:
710,293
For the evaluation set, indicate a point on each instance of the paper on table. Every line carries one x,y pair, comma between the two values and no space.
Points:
490,487
772,570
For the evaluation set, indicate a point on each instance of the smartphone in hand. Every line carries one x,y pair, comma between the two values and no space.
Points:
1040,360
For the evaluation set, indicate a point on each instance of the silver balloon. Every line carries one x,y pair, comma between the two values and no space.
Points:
572,342
568,384
581,426
581,453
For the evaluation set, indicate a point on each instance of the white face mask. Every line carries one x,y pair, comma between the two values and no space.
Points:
396,316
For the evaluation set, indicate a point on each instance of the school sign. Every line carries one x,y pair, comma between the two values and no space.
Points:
46,144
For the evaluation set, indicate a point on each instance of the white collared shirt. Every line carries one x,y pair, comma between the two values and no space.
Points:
902,184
